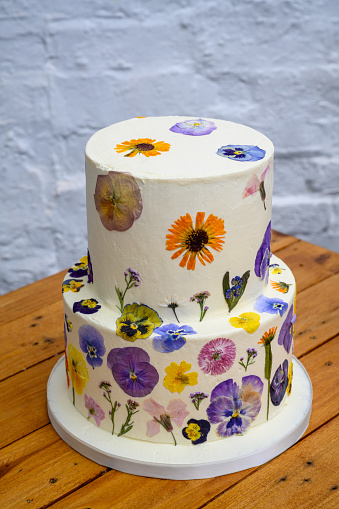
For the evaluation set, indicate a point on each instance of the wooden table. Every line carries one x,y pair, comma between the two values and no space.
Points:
39,470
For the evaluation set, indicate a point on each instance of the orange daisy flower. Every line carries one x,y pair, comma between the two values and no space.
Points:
144,146
268,337
194,242
281,286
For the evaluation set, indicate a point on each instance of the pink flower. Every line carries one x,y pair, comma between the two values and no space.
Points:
94,410
217,356
176,412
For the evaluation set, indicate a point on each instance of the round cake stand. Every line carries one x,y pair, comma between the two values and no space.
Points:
260,443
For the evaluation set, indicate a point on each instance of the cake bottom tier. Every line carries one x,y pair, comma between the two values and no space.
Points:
182,384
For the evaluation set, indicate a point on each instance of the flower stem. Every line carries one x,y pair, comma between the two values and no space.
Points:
268,398
175,442
175,314
73,395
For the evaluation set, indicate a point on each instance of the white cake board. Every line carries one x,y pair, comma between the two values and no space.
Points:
166,461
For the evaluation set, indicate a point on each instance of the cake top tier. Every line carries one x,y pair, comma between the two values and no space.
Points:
152,147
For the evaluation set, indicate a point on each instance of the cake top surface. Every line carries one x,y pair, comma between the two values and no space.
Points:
178,147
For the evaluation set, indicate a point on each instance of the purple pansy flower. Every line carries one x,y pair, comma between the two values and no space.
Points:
234,407
262,259
273,306
196,431
91,342
86,306
94,410
242,152
171,337
195,127
132,371
286,332
279,384
90,268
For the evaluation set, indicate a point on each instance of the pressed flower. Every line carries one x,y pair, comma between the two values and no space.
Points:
217,356
137,322
262,259
90,269
280,286
131,408
117,200
177,377
255,185
144,146
248,321
274,268
175,412
94,410
286,332
172,337
106,387
195,127
242,152
73,285
194,242
172,302
200,298
289,378
91,342
132,371
86,306
67,368
279,383
78,370
251,355
69,324
79,269
273,306
197,431
197,398
266,341
235,407
132,279
234,291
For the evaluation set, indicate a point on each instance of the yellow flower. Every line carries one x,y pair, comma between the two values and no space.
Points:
137,322
247,321
289,378
177,377
144,146
193,431
78,370
72,285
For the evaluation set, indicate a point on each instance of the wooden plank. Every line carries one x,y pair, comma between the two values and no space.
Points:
317,315
310,264
31,339
31,298
24,402
120,490
306,476
40,468
281,240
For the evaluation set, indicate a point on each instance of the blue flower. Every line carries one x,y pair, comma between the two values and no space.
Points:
286,331
171,338
91,342
262,259
242,152
197,431
86,306
234,407
273,306
196,127
279,384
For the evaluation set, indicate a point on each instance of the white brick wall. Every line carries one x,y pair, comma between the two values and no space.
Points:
71,68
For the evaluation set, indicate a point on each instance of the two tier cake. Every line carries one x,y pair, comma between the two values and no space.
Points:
179,321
